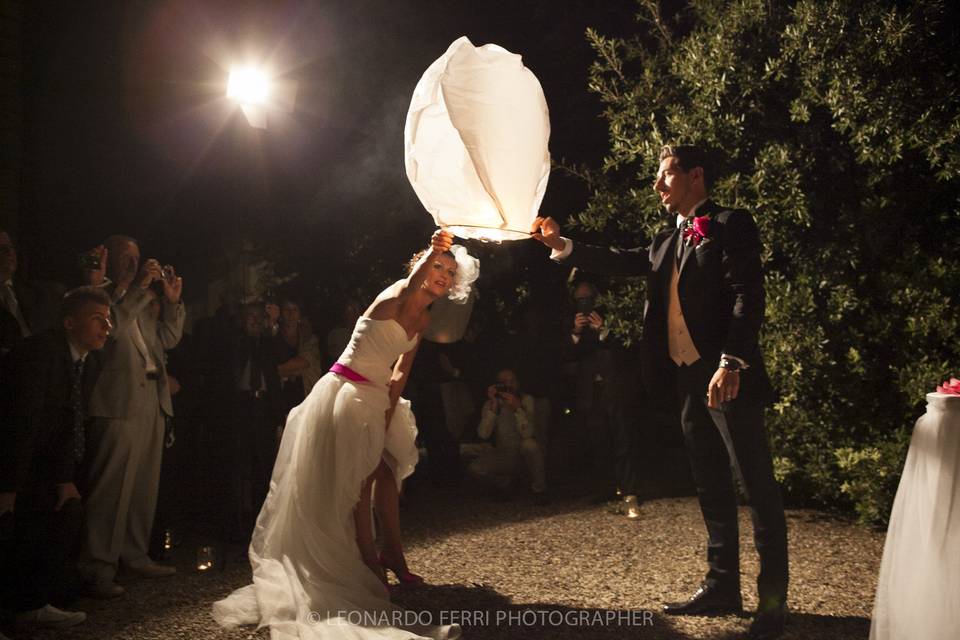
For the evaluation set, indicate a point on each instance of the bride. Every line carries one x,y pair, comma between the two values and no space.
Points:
316,572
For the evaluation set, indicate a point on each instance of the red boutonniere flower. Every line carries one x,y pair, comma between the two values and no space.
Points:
695,230
952,387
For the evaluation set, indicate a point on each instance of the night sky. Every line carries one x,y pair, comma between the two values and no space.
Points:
127,128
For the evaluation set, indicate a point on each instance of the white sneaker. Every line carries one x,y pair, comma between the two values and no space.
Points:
49,616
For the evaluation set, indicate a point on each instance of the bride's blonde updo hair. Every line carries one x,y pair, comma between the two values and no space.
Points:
468,270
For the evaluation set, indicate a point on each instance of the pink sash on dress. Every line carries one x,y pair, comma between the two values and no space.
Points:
347,372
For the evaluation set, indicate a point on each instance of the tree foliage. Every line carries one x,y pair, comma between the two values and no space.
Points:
836,123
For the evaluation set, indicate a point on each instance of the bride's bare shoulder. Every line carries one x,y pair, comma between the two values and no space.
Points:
383,309
387,304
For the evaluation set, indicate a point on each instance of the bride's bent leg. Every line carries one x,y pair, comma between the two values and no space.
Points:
387,499
364,528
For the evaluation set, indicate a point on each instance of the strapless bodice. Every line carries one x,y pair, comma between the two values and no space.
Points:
373,348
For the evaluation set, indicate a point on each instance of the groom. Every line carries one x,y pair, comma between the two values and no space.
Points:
701,321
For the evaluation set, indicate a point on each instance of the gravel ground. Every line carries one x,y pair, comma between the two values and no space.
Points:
516,569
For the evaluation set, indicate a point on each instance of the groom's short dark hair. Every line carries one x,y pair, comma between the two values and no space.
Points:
689,156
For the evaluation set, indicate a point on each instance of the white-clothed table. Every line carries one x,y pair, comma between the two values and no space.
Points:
918,595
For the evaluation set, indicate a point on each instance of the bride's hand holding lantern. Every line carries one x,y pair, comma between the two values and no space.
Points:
441,241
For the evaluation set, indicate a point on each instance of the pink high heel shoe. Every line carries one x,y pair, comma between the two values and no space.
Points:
404,576
380,572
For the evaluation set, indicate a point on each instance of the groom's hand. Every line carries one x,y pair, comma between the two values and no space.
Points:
724,387
547,231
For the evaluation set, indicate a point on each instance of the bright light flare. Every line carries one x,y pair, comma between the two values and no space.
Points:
248,86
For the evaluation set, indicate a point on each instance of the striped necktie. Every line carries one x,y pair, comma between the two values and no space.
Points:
76,404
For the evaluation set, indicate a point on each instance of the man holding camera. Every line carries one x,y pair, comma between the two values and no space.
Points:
586,349
508,415
600,403
129,405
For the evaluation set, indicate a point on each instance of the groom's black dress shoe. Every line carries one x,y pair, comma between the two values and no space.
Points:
768,624
707,601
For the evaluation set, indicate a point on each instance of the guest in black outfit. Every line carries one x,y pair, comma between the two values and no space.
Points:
183,455
430,372
257,417
538,364
587,345
603,401
48,381
25,307
297,350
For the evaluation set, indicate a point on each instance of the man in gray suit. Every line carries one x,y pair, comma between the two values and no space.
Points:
130,403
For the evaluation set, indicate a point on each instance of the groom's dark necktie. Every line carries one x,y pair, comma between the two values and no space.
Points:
76,406
681,242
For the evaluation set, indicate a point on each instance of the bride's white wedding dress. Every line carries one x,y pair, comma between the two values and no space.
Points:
309,580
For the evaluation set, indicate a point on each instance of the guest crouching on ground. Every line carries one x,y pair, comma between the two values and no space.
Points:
48,380
508,415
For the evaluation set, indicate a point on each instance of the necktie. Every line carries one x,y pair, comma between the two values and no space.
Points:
680,244
76,404
10,302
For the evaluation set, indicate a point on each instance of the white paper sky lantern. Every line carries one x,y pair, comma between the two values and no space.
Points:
476,142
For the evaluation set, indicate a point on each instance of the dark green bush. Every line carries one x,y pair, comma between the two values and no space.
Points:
837,125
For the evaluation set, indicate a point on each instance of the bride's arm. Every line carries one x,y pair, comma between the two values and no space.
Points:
401,373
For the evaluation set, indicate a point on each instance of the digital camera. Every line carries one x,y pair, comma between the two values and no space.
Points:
586,305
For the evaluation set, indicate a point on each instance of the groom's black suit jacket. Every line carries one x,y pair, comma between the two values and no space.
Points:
720,289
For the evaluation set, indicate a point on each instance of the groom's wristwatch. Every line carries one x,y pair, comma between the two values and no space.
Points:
730,364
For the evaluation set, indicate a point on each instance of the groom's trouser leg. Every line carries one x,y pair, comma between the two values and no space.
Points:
710,467
750,450
740,442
